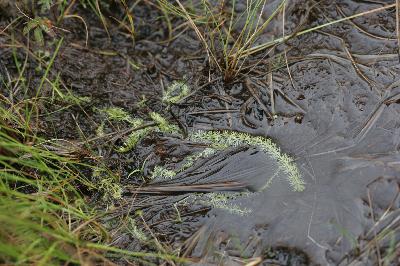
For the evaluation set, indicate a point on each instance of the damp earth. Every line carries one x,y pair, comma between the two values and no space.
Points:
329,99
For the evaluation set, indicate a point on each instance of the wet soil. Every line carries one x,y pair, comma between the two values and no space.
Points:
341,127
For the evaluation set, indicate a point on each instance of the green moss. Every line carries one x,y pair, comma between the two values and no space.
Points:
100,130
162,124
191,159
78,100
225,139
118,114
219,200
162,172
108,185
133,139
175,92
136,231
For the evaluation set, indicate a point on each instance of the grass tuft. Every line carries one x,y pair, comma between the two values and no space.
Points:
226,35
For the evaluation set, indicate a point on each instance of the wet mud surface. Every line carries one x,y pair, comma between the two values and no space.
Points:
337,114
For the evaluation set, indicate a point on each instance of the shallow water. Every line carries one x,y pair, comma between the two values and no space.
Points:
337,165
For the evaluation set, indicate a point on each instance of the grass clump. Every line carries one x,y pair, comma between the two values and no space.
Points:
225,139
227,36
44,218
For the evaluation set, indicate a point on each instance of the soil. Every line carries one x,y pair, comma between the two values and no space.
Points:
342,127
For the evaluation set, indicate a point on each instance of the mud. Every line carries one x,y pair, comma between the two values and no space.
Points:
338,119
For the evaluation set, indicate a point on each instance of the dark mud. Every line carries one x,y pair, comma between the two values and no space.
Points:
341,126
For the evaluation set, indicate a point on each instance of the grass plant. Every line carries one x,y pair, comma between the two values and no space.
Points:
216,25
229,37
44,217
220,200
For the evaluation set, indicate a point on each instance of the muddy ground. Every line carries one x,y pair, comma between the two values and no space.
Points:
343,131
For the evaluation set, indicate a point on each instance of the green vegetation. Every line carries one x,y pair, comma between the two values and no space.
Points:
161,172
45,218
118,114
46,186
62,202
162,124
138,127
217,28
175,92
225,139
229,37
39,226
221,140
133,139
223,201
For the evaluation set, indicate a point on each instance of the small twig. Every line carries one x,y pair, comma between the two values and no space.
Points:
340,11
243,113
398,25
287,98
375,235
353,62
373,117
215,111
284,51
84,23
250,88
271,93
159,245
198,89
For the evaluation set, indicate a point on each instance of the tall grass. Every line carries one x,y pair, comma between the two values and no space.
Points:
44,218
46,213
